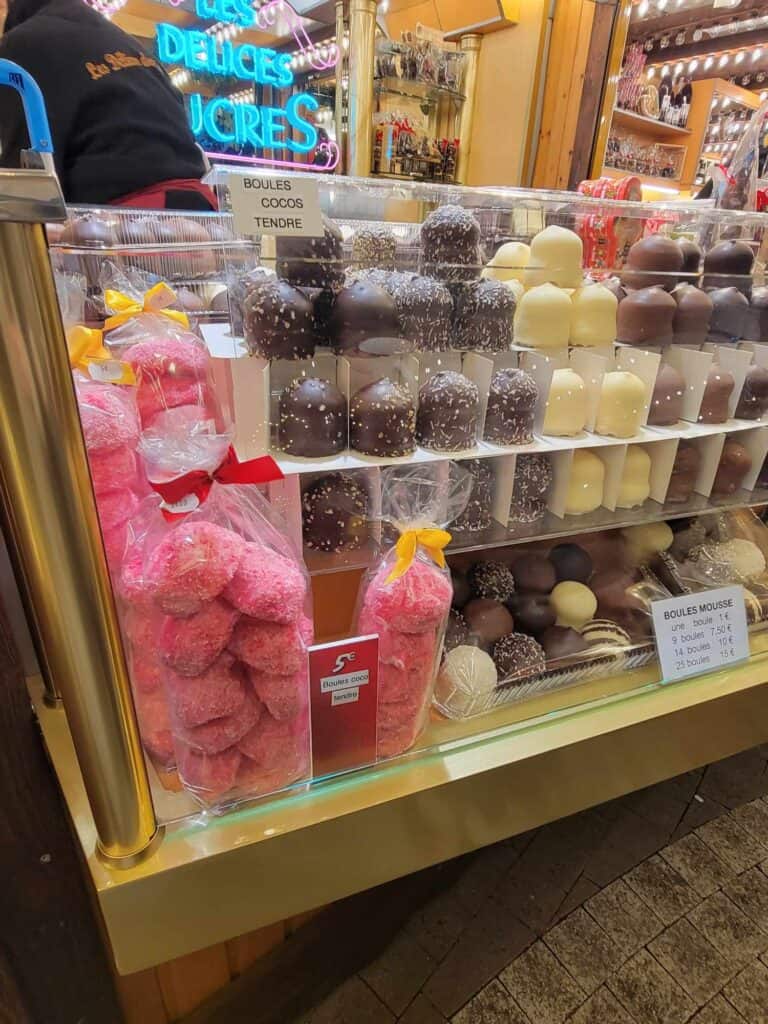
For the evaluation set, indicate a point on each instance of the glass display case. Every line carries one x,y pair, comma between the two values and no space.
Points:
568,386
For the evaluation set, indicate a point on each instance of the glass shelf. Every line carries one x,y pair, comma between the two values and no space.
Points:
414,89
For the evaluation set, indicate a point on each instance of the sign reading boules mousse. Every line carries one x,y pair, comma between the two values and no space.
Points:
230,123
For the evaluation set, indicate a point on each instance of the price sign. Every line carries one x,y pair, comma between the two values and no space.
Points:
276,206
700,633
343,694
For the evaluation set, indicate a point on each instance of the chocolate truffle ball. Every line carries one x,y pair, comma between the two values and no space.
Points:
654,253
450,244
532,612
753,400
493,580
735,463
362,313
730,310
487,620
691,320
462,592
667,399
645,317
691,258
532,480
518,657
448,413
220,302
456,630
717,393
425,310
610,588
483,317
382,420
90,231
756,326
605,633
685,471
312,419
534,573
374,247
511,407
334,513
279,322
571,562
725,260
312,262
477,513
560,642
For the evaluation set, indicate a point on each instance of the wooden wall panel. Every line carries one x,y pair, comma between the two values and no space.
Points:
245,950
189,980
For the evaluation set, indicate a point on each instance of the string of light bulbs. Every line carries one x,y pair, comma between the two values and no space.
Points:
717,60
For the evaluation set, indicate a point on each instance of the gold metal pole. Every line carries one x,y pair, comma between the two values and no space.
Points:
470,47
362,43
341,71
53,531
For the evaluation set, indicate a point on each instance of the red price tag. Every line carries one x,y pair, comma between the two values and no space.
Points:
343,688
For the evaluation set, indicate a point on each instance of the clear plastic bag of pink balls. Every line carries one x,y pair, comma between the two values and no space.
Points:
226,604
406,597
173,368
110,423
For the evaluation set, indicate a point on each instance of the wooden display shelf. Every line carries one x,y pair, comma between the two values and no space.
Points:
659,130
647,179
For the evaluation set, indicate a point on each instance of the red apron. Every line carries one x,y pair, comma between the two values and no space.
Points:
154,196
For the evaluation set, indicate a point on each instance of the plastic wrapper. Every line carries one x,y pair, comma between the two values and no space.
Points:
217,612
406,597
718,550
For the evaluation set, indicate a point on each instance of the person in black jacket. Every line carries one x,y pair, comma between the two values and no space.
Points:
120,132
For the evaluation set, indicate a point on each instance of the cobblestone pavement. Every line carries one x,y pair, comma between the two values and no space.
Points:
652,909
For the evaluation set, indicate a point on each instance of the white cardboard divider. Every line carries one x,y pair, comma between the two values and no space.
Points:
613,459
541,366
662,455
479,369
759,351
248,395
504,360
358,371
503,484
591,366
561,475
606,351
737,361
557,356
285,497
221,343
434,362
645,365
756,443
710,448
693,365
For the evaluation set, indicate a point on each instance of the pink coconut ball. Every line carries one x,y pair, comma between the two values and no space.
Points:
132,585
147,673
269,647
156,397
167,357
141,629
402,712
399,684
391,742
267,586
207,774
192,565
396,648
254,780
220,733
116,508
113,471
218,692
155,724
114,544
283,696
272,743
416,602
108,420
190,646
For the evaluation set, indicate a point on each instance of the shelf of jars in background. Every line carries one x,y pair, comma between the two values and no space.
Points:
254,386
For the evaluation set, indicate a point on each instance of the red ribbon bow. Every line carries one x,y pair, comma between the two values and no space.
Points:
191,490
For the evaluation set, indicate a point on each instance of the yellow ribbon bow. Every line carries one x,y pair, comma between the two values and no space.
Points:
88,354
156,300
430,539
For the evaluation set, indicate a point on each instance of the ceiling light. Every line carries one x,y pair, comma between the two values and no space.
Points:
692,66
723,60
651,72
764,95
757,54
740,57
708,63
642,9
679,68
665,71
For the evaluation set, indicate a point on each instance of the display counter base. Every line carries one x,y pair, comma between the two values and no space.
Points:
473,783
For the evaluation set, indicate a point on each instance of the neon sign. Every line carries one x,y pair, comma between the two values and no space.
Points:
246,124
